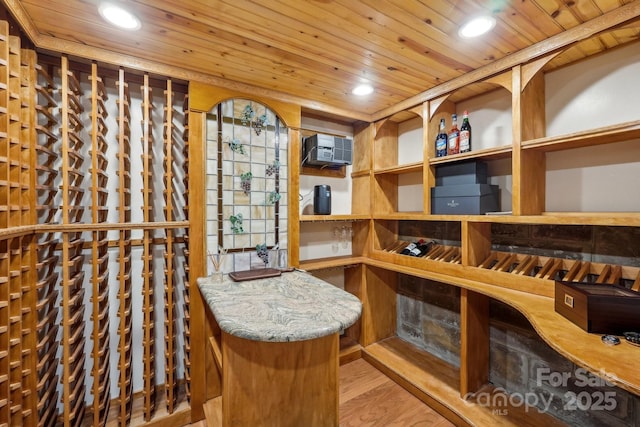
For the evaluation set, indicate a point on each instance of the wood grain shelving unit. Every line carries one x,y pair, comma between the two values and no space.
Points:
525,281
568,339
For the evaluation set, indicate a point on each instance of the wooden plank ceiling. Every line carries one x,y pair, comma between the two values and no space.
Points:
315,51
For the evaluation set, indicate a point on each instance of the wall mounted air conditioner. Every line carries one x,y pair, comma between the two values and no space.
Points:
327,150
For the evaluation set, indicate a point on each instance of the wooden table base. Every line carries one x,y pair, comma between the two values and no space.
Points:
280,383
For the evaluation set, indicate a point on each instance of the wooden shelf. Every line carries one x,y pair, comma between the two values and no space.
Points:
332,172
409,216
401,169
357,174
340,217
494,153
599,136
583,349
451,272
629,219
437,384
438,252
332,262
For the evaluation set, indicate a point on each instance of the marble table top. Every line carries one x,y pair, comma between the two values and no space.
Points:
295,306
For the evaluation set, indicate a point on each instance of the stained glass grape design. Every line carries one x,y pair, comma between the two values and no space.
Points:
263,253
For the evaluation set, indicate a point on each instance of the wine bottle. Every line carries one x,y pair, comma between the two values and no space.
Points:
425,247
407,249
465,134
416,251
441,141
454,136
413,248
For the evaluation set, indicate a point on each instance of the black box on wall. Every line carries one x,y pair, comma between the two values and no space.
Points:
322,200
464,199
469,172
462,189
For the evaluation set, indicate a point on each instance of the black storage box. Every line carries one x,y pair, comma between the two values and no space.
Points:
465,199
468,172
601,309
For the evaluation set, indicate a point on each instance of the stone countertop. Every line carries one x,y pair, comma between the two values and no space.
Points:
295,306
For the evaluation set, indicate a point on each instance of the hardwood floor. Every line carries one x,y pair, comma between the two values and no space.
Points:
368,398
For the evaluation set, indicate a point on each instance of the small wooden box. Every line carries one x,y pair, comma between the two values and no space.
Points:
602,309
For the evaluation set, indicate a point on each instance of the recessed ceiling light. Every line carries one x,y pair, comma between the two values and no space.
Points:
477,26
119,16
362,89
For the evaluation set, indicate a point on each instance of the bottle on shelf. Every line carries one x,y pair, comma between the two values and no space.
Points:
425,247
408,250
465,134
441,141
454,136
418,248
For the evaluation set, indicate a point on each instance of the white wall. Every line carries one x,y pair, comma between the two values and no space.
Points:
410,136
600,91
410,150
319,239
340,187
490,119
492,126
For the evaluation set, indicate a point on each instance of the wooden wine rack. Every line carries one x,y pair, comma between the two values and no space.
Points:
29,296
148,340
57,213
533,266
46,148
99,250
124,253
186,280
443,253
73,324
171,385
549,268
